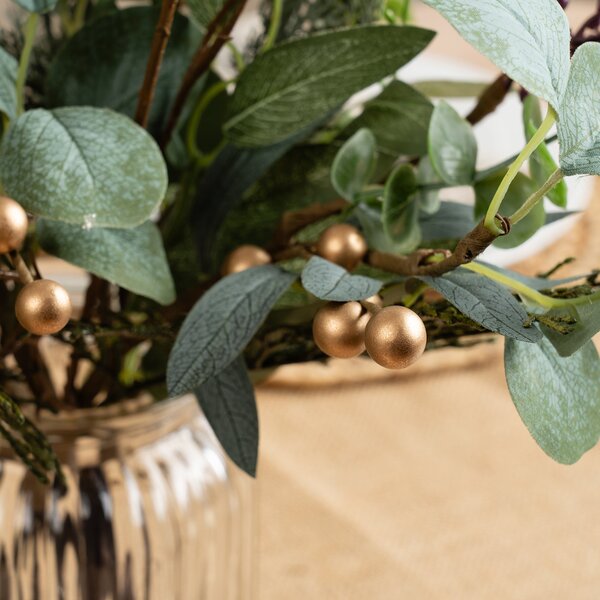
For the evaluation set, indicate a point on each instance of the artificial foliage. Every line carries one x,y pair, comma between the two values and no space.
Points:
234,224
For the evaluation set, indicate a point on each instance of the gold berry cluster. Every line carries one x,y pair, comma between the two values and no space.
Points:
43,307
394,336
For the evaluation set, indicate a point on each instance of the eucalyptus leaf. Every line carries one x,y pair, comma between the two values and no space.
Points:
354,165
429,199
452,146
8,80
272,101
103,64
132,258
452,221
401,209
37,6
221,324
328,281
557,398
485,302
450,89
587,325
228,403
83,165
529,41
579,124
371,223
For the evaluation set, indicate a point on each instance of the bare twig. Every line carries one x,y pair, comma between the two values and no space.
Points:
490,99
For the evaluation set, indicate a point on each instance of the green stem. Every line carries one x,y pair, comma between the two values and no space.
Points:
524,290
238,57
274,25
30,31
79,16
513,170
529,204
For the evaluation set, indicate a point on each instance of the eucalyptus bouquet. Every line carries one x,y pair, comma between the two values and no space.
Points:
232,224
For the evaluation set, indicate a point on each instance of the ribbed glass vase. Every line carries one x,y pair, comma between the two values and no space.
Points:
153,511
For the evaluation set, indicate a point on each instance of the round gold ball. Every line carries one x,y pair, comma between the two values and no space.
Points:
343,245
395,337
13,225
245,257
339,329
43,307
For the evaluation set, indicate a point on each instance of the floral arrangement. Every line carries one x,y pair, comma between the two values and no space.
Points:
234,224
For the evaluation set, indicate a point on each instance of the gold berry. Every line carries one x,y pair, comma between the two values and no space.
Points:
395,337
339,329
343,245
245,257
43,307
13,225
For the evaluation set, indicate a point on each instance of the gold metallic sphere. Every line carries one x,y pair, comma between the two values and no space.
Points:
395,337
245,257
343,245
377,300
43,307
13,225
339,329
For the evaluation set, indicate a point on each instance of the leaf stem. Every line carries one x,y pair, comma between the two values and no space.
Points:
515,167
530,203
274,25
30,31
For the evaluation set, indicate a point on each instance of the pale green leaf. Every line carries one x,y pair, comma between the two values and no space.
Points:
296,83
586,326
529,41
401,209
82,165
557,398
429,199
8,79
450,89
132,258
37,6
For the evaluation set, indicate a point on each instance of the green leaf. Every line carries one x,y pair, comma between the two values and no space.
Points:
452,146
295,83
401,209
521,188
8,80
103,64
429,200
204,11
220,325
399,118
82,165
557,398
587,325
132,258
37,6
541,163
450,89
451,222
579,124
485,302
354,165
328,281
228,403
529,41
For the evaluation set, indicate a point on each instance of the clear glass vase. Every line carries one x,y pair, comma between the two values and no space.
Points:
153,511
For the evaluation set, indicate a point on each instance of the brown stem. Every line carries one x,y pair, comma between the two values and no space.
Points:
157,51
34,369
22,269
217,35
490,99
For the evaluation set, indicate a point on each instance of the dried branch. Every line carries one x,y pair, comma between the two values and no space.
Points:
490,99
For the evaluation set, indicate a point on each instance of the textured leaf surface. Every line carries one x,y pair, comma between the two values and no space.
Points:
452,146
132,258
103,64
528,40
228,402
579,125
8,79
86,166
354,165
204,11
37,6
220,325
485,302
452,221
328,281
401,209
429,199
557,398
295,83
587,325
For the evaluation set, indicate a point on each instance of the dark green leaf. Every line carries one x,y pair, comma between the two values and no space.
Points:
452,146
132,258
204,11
401,209
220,325
227,400
103,64
587,325
328,281
354,165
485,302
450,89
557,398
82,165
521,188
37,6
451,222
8,79
298,82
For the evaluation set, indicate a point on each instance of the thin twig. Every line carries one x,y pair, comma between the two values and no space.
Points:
490,99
